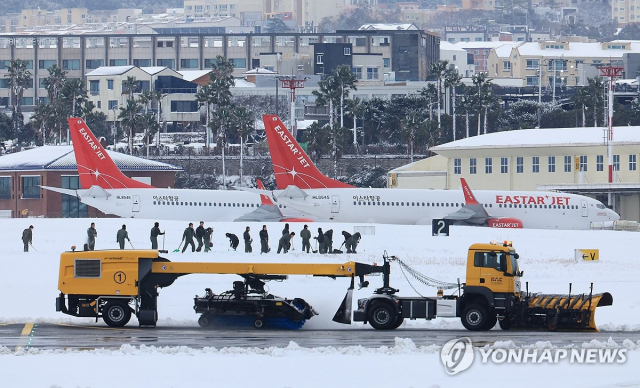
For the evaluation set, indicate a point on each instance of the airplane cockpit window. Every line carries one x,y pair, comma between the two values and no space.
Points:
601,206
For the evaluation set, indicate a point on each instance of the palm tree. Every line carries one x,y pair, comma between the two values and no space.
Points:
204,99
452,80
357,108
130,115
74,94
18,79
243,122
437,70
317,138
130,86
483,97
54,83
345,80
430,93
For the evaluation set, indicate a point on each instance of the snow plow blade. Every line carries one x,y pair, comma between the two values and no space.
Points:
570,312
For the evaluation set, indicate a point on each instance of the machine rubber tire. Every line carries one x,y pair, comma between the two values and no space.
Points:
258,323
505,324
399,321
474,317
552,324
491,322
116,313
204,320
382,316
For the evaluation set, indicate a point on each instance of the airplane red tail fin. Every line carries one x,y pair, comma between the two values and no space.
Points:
95,166
291,165
469,198
265,200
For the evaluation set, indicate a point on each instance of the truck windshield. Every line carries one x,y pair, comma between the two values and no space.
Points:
514,263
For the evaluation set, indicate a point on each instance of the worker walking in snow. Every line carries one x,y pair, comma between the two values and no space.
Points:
207,239
155,232
187,237
247,240
264,240
92,233
328,241
122,235
233,240
305,234
27,236
352,242
320,239
285,232
200,235
285,242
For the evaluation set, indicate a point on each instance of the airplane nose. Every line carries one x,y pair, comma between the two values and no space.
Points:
613,215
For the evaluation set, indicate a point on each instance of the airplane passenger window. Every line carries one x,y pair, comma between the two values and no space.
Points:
154,202
422,203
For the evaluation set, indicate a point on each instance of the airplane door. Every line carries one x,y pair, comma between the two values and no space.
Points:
585,208
136,203
335,204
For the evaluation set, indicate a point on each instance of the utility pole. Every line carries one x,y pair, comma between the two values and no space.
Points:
610,72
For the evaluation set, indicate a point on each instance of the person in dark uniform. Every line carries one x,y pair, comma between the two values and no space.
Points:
247,240
233,240
207,239
264,240
328,241
200,235
320,238
187,237
305,234
346,242
285,242
285,232
352,243
155,232
92,233
122,235
27,236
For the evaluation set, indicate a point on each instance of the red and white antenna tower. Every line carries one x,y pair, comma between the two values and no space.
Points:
293,84
610,72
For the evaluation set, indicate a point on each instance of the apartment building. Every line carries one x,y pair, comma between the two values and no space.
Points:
405,53
625,11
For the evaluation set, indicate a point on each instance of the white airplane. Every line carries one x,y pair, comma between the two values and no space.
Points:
302,187
107,189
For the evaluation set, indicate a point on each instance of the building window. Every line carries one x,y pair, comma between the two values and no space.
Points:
488,165
184,106
535,164
533,64
519,165
41,84
113,104
238,63
319,59
94,63
70,64
170,63
583,162
357,71
5,187
632,162
71,206
533,81
27,100
386,62
142,62
472,165
616,163
4,83
504,165
457,166
31,187
567,163
552,164
117,62
94,87
189,63
599,162
110,84
45,64
347,51
372,73
506,66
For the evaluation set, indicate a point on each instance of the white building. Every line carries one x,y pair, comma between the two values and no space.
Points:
565,159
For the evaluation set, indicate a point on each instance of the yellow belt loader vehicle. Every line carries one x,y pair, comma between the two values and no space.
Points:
492,292
116,284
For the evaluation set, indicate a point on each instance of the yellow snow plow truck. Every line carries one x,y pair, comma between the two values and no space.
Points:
492,293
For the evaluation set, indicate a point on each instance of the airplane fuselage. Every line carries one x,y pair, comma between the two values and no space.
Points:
537,210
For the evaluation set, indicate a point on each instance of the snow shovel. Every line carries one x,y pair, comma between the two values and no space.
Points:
131,244
339,249
162,250
343,315
316,247
34,248
178,250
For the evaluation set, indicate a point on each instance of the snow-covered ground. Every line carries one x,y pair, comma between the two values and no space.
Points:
29,287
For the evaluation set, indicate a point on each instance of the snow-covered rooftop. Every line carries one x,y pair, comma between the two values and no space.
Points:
260,70
110,70
191,75
153,69
544,137
240,83
444,45
578,49
63,158
389,26
484,45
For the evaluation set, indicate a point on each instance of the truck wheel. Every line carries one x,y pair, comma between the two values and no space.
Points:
475,317
116,313
552,323
258,323
505,323
491,322
382,316
204,320
399,321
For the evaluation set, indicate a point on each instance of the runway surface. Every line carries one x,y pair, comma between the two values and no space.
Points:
56,336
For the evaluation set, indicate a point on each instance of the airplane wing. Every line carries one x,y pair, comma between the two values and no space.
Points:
267,211
73,193
472,212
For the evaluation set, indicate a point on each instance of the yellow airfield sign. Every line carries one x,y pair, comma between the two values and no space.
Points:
587,255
